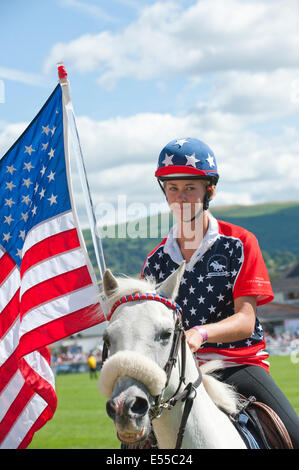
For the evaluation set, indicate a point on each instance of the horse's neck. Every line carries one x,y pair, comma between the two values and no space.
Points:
207,426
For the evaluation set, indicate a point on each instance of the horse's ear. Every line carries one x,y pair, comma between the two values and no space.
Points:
170,287
109,283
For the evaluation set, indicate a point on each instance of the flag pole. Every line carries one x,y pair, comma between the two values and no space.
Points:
97,243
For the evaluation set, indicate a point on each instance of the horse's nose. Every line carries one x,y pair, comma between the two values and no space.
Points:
139,407
133,407
112,407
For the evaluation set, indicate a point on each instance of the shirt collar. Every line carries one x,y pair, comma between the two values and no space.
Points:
172,248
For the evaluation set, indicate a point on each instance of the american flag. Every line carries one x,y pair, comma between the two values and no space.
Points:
48,289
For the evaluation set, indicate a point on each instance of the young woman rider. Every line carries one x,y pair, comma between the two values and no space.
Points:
225,278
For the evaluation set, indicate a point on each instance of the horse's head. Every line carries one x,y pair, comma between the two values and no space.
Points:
139,338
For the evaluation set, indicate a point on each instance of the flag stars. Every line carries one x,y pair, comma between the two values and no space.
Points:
9,202
19,253
29,149
52,199
26,199
46,129
10,185
210,288
24,216
34,210
28,166
193,311
6,237
45,146
201,299
42,193
10,169
51,153
51,176
43,170
27,182
191,289
8,219
22,234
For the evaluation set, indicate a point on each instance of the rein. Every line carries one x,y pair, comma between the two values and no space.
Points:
179,339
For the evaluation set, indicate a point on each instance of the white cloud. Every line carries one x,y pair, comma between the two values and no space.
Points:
9,133
88,8
210,36
22,77
257,94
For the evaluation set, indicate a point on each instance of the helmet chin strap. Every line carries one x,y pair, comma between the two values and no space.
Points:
196,215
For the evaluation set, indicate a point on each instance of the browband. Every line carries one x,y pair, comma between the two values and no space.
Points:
144,296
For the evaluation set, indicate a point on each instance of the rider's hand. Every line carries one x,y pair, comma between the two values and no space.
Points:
194,339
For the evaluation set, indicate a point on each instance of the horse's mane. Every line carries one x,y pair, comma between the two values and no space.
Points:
222,394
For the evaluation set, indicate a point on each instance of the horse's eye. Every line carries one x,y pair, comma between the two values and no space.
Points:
165,335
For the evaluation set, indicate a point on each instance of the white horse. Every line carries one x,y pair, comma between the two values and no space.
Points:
140,337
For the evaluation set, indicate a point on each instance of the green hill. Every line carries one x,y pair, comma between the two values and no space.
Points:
276,225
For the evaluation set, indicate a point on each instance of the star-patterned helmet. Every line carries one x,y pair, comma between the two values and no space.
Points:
187,158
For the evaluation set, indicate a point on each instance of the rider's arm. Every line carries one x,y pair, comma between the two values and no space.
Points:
238,326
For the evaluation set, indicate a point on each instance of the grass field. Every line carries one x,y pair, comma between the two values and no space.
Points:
80,421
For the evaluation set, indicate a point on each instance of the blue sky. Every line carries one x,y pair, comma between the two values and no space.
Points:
145,72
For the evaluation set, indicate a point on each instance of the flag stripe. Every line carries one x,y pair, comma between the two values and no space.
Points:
55,287
46,229
48,312
9,314
26,417
60,328
6,266
38,423
8,370
15,410
9,342
10,392
42,382
9,288
51,268
51,246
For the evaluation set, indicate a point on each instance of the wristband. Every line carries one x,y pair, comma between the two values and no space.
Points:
203,333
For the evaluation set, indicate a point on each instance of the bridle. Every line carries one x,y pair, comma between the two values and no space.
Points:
179,339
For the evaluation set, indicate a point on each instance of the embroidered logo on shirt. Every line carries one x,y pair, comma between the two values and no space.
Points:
217,266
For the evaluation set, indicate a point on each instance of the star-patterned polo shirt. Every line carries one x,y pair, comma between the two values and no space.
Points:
227,264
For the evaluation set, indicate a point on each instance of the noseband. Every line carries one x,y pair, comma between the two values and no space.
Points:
179,339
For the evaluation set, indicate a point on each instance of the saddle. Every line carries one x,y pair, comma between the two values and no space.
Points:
260,426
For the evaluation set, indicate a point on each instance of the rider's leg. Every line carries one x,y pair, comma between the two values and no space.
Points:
256,381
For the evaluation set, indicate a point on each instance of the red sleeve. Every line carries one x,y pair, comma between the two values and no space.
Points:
253,278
